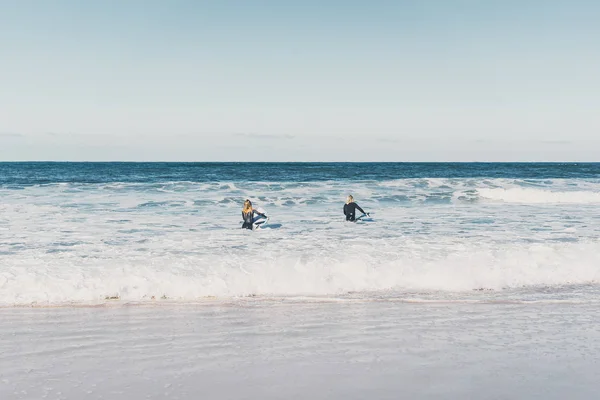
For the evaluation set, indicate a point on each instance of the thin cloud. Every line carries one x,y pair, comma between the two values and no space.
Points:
80,135
264,136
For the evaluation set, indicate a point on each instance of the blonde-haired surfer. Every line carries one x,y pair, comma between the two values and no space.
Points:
248,214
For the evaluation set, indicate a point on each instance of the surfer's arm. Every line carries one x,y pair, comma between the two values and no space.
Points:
257,213
360,209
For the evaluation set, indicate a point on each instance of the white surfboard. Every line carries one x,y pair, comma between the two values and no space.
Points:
258,221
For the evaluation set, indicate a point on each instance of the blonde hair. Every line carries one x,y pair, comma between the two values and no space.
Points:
350,199
247,206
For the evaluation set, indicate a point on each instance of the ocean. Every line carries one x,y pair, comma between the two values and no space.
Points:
87,233
135,281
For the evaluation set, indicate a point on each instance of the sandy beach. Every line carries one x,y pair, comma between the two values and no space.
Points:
302,350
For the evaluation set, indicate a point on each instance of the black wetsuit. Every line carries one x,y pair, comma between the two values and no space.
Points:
350,211
249,218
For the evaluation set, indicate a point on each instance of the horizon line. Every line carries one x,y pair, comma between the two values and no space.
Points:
290,162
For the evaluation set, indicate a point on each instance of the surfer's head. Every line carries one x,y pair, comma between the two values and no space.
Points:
350,199
247,206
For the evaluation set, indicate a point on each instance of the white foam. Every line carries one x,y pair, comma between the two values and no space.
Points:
539,196
59,278
57,246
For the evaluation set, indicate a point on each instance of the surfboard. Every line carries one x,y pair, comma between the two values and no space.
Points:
364,218
259,221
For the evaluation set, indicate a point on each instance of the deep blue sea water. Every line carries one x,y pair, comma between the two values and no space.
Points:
32,173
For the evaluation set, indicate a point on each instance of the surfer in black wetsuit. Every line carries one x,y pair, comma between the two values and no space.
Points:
248,215
350,209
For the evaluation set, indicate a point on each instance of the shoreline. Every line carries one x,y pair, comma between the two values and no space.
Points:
301,300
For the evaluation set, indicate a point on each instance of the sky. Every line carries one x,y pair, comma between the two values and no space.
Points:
192,80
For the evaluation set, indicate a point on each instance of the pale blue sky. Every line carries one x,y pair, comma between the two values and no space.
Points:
431,80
